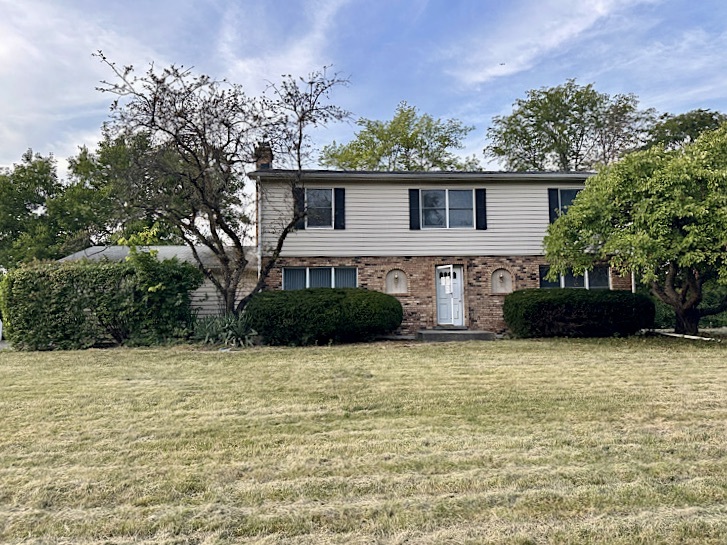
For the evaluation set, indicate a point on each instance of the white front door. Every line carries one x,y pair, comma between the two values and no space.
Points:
449,295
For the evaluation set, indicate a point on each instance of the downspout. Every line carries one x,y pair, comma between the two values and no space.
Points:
258,233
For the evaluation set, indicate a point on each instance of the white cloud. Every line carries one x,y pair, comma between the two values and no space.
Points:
525,35
685,69
259,44
45,58
469,59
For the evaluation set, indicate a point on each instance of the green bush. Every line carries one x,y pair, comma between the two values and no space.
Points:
141,301
42,310
577,313
322,315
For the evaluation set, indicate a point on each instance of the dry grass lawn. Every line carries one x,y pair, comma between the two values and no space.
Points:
615,441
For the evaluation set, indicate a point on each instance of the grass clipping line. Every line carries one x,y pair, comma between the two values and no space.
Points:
563,441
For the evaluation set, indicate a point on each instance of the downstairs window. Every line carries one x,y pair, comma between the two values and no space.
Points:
595,279
299,278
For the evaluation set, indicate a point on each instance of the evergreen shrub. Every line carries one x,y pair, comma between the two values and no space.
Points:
577,313
322,315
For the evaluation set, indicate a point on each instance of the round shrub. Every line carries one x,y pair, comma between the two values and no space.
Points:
577,313
322,315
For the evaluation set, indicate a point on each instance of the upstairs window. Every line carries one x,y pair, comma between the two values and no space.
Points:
319,207
559,200
325,208
447,209
595,279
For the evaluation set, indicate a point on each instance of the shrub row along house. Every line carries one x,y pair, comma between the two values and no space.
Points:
448,245
206,300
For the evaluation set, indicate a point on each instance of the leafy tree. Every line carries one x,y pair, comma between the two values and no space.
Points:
100,176
181,142
675,131
661,214
408,142
25,191
42,217
568,127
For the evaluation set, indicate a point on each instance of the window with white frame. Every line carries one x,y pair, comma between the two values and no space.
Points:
447,208
559,200
299,278
319,208
595,279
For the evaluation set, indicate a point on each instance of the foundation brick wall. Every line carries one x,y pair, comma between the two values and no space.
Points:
482,307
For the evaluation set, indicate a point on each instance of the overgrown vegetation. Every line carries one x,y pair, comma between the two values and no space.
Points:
577,313
616,441
141,301
323,315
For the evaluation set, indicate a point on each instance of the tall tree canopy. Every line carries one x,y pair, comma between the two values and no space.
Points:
42,217
180,144
675,131
569,127
25,193
661,214
409,141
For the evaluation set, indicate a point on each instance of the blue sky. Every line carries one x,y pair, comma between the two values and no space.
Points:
467,59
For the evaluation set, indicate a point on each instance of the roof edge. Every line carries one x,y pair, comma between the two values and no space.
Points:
272,174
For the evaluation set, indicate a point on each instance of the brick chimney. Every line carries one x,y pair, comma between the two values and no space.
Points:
263,156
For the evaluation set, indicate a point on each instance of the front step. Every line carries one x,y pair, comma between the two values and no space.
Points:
445,335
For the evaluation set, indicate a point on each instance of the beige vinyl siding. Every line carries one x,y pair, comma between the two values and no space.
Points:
206,300
377,222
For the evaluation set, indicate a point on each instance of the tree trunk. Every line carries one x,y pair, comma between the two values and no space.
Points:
687,322
682,290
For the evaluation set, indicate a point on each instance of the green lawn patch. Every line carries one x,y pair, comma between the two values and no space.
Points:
557,441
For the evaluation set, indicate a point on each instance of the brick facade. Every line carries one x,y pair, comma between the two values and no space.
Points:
482,307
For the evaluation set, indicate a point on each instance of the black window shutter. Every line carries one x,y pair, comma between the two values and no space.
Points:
480,209
339,207
553,205
414,220
299,206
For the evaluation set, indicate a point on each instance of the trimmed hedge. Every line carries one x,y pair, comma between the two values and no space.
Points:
141,301
322,315
577,313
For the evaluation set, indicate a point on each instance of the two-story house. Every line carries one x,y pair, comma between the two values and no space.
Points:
448,245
